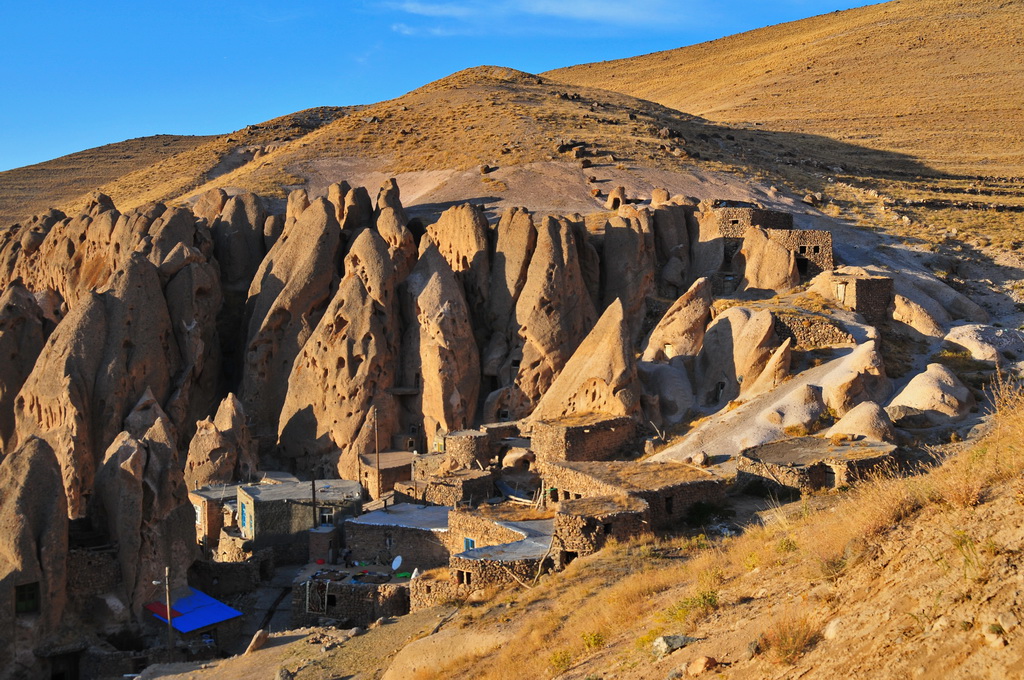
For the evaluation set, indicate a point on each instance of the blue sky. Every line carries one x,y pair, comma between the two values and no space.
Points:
75,75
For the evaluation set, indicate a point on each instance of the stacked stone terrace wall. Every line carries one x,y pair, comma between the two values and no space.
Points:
810,331
91,573
604,439
226,579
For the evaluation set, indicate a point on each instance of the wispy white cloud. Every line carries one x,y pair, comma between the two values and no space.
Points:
478,17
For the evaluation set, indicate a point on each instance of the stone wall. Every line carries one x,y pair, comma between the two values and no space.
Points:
812,247
734,218
209,521
426,465
284,524
871,297
594,439
581,531
227,579
465,486
436,588
468,448
419,548
484,531
91,573
478,574
378,485
350,604
810,331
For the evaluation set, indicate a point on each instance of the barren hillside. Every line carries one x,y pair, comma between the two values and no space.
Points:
939,80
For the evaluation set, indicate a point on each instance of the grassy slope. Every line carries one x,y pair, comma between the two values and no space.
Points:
34,188
940,80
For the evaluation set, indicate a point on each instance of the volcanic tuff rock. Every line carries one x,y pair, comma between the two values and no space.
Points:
985,343
22,334
222,450
627,271
862,379
937,394
338,389
110,349
286,300
516,241
765,264
554,313
391,221
681,331
34,527
737,346
143,497
601,375
438,347
774,372
667,393
460,235
868,420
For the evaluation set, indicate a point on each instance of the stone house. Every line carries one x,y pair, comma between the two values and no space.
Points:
812,248
279,516
731,219
590,436
349,598
806,464
670,490
417,533
870,296
583,526
451,489
380,472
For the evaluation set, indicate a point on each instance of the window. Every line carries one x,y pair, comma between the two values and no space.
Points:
199,514
463,577
26,598
468,543
503,414
326,516
332,600
608,529
668,505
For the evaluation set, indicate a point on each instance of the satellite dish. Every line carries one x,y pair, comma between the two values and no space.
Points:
396,563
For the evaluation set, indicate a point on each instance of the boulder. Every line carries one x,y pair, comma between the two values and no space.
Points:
681,331
668,385
600,377
861,379
937,394
616,198
866,420
627,267
919,318
775,371
737,347
987,343
392,222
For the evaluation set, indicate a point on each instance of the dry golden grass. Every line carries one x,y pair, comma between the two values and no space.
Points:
897,78
788,637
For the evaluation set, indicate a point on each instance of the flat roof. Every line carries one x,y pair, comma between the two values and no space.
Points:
535,544
327,490
637,476
598,506
219,492
388,459
407,515
581,420
810,450
194,611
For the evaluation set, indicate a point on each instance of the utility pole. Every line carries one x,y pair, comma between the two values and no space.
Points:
167,596
312,483
376,448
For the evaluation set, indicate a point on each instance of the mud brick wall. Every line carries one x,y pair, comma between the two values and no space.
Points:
584,534
600,440
810,332
209,521
485,532
466,448
353,604
92,573
419,548
812,245
672,504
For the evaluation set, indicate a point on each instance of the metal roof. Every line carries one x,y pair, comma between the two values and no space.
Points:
194,611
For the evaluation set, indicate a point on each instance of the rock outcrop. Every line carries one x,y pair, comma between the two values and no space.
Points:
765,264
222,450
22,334
33,553
600,377
286,301
516,241
984,342
667,393
862,379
392,222
737,347
338,402
937,395
439,354
460,235
681,331
866,420
627,267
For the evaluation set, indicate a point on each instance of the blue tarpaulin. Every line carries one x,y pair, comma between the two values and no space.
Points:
194,611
